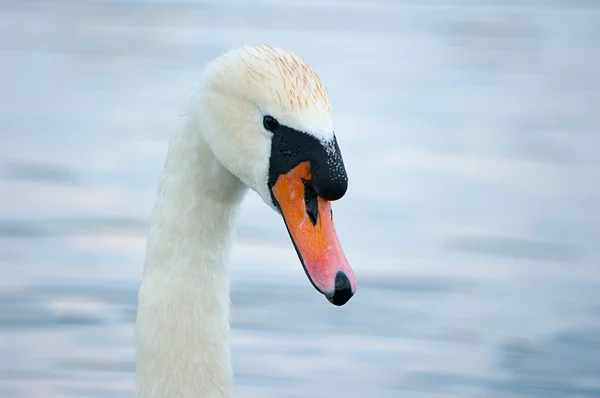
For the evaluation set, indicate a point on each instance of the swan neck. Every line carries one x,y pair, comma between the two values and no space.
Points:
183,306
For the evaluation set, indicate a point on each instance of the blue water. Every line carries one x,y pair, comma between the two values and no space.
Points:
469,129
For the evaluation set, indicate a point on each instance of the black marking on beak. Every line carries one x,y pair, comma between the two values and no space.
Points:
290,147
343,290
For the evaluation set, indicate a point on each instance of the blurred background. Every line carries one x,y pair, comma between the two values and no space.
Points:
469,128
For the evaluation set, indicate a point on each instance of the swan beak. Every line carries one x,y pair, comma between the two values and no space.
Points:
309,221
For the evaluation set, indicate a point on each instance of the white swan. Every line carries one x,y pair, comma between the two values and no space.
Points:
259,118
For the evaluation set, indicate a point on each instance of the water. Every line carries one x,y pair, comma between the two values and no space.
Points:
470,134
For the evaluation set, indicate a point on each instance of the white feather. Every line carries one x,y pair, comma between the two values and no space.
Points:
220,150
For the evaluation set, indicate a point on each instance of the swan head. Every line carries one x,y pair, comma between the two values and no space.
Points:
266,116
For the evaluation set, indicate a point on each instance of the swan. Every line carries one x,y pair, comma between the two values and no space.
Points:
258,118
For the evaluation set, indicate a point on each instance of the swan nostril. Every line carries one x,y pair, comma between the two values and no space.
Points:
310,201
343,290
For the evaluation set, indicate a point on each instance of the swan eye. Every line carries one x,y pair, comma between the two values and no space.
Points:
270,123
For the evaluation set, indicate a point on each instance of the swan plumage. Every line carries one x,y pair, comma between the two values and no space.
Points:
258,118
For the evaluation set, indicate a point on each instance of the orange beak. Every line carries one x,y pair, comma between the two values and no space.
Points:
308,219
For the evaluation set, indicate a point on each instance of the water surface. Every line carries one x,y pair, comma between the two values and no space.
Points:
470,134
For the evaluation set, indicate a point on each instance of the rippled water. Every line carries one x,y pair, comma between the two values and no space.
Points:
470,134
